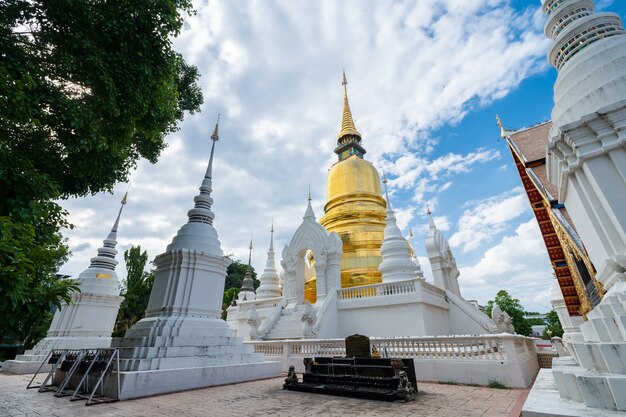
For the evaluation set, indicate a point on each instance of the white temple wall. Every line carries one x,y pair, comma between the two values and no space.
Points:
378,317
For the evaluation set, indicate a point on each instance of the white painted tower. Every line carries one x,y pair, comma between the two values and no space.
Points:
586,160
270,281
182,342
88,321
397,264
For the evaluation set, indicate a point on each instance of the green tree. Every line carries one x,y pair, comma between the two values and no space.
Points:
235,273
28,285
553,327
86,89
135,290
513,308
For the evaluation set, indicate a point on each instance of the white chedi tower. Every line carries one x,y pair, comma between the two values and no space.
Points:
88,321
246,293
270,281
182,342
397,264
586,160
442,262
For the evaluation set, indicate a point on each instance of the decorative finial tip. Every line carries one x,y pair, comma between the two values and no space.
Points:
309,192
125,198
428,211
215,136
503,132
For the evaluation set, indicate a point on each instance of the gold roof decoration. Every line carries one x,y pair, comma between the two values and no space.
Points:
347,123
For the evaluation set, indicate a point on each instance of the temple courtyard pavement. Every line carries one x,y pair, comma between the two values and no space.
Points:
266,398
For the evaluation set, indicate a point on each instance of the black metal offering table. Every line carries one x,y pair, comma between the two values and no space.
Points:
372,378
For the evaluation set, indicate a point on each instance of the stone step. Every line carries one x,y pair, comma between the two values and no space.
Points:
603,357
596,389
167,341
189,361
182,351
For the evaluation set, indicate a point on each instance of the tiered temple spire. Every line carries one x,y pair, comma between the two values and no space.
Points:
349,139
106,254
247,285
270,281
573,26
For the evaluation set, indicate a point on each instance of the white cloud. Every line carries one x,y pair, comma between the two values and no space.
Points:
518,263
273,70
486,218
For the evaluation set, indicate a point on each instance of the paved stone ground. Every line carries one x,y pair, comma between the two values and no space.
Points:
265,398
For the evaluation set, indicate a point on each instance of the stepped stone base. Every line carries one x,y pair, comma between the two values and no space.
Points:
29,362
544,401
24,367
595,389
146,383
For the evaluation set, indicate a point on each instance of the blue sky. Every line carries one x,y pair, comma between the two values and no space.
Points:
425,80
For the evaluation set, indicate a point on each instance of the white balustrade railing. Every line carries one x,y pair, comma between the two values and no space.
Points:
271,320
378,290
499,347
259,304
479,317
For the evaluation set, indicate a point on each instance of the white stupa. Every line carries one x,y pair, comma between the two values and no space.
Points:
270,281
88,321
586,161
397,264
182,342
246,293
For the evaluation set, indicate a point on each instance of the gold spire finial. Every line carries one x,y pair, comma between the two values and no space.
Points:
124,198
503,132
309,192
347,122
215,136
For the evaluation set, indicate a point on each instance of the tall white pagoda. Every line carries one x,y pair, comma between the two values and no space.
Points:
182,342
88,321
586,161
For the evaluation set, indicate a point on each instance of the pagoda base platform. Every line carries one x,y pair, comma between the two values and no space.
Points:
544,401
136,384
24,367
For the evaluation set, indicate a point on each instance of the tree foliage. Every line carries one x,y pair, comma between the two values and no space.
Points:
553,327
235,273
28,284
89,87
135,290
86,89
513,308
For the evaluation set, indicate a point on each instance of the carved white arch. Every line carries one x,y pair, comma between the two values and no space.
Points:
327,249
442,262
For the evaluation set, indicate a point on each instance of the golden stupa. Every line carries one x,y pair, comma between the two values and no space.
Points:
355,209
